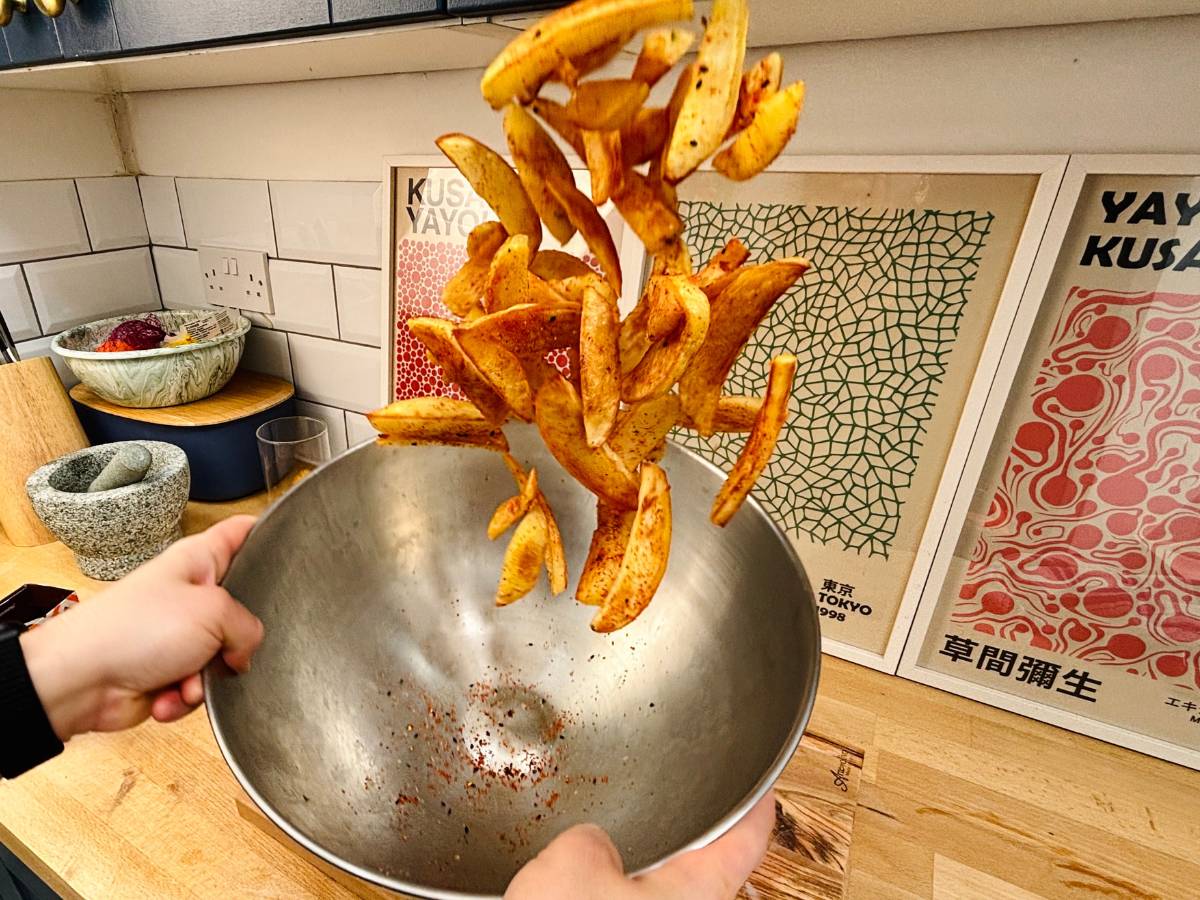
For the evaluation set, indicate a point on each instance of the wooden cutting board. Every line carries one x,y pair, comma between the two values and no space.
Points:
809,854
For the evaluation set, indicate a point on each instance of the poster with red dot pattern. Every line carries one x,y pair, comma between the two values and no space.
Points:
435,211
1077,583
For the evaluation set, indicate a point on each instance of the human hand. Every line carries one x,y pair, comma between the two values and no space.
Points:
137,649
583,864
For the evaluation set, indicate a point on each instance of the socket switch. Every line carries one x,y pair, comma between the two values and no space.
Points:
237,279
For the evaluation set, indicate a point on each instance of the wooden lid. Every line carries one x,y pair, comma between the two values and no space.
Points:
246,394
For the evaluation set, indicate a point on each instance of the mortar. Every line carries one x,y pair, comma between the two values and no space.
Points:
112,532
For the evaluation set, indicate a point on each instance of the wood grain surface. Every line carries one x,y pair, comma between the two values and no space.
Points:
246,394
943,798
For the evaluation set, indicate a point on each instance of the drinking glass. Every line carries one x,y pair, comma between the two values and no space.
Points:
290,448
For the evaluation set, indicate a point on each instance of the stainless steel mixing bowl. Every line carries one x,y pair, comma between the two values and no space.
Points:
400,726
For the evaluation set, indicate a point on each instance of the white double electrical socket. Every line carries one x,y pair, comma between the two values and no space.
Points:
237,279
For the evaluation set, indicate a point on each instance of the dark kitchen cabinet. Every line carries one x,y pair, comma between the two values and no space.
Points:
31,37
87,29
360,10
143,24
464,7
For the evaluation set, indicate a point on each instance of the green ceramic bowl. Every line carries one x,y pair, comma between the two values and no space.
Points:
144,379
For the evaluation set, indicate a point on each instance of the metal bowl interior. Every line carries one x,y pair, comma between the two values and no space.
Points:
402,727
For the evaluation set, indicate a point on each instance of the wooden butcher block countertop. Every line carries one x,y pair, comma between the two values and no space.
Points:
898,790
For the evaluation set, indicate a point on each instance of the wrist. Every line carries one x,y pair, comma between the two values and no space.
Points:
67,694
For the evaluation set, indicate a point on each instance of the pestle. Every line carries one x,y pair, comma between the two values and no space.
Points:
128,466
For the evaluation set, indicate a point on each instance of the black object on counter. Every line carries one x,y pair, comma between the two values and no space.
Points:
30,602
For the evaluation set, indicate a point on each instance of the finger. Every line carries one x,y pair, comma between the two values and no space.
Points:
169,706
718,871
241,631
583,855
204,558
192,690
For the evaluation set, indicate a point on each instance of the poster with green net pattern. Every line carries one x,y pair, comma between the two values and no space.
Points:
888,328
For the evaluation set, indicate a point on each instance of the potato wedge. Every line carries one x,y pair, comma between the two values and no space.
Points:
529,330
666,314
760,444
760,82
606,103
633,341
591,225
508,276
720,264
556,557
555,115
735,314
734,413
711,99
463,293
569,33
605,163
444,350
645,136
675,259
599,371
667,360
559,415
571,70
539,160
555,265
511,510
642,428
436,420
604,553
662,48
648,213
496,182
765,137
644,562
522,560
502,369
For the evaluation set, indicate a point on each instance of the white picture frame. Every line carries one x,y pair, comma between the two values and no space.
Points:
988,405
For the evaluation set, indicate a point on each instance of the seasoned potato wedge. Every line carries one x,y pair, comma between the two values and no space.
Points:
711,99
734,315
765,137
605,164
559,415
538,161
502,369
599,370
569,33
760,83
662,48
642,428
555,115
463,293
634,341
571,70
511,510
496,182
529,330
645,136
606,103
648,212
436,420
591,225
604,553
522,559
554,265
760,444
444,350
644,562
734,413
666,361
508,276
556,557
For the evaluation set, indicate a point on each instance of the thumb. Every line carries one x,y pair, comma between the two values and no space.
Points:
205,557
718,871
582,857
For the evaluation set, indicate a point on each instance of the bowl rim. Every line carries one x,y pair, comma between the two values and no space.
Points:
243,326
764,784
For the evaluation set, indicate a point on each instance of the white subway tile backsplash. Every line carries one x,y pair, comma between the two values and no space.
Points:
179,278
333,418
160,204
358,303
335,373
327,221
41,347
16,306
112,209
223,212
40,219
303,294
78,289
358,429
267,351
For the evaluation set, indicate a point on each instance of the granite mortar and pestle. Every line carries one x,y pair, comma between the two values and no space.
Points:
115,505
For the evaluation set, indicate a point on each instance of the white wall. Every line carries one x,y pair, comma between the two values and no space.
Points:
56,134
1106,87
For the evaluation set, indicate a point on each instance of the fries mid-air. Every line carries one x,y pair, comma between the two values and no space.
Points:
631,380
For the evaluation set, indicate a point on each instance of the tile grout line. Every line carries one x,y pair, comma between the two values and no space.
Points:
179,208
33,306
87,232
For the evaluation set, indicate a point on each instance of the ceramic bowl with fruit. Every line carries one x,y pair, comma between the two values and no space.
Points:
156,359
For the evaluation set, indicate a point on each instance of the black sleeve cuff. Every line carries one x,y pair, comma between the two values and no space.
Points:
28,738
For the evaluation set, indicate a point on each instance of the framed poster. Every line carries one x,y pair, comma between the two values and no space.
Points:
919,264
430,210
1067,585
